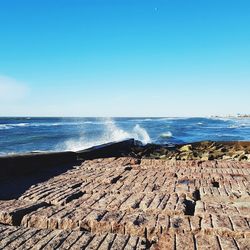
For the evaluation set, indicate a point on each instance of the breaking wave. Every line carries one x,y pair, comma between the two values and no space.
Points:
111,132
9,126
4,126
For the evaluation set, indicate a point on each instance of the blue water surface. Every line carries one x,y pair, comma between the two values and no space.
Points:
59,134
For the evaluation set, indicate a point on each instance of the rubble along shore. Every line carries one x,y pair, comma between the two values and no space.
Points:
204,150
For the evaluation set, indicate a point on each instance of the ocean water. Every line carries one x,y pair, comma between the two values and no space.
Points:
19,135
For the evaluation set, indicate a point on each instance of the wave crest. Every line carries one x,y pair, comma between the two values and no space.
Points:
9,126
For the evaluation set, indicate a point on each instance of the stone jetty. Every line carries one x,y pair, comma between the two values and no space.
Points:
133,203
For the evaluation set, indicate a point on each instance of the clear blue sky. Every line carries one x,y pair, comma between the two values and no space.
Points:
124,58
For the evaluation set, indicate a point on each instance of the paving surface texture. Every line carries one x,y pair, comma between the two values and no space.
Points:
125,203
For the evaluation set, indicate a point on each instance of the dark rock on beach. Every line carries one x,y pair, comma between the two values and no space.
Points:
206,150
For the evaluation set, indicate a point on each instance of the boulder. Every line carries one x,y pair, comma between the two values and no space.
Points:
186,148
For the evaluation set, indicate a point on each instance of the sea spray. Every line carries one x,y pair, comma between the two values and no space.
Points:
111,132
141,134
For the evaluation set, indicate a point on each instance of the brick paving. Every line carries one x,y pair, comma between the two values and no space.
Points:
125,203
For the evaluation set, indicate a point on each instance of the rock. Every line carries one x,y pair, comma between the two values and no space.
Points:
217,154
206,150
226,157
205,157
163,156
186,148
222,149
242,157
12,211
211,157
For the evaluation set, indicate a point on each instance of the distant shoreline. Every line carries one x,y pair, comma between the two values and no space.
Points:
231,116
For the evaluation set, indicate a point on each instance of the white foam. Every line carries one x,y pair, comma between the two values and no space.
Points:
20,125
111,133
234,126
4,126
9,126
166,135
48,124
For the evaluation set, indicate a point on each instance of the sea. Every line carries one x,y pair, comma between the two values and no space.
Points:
38,134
